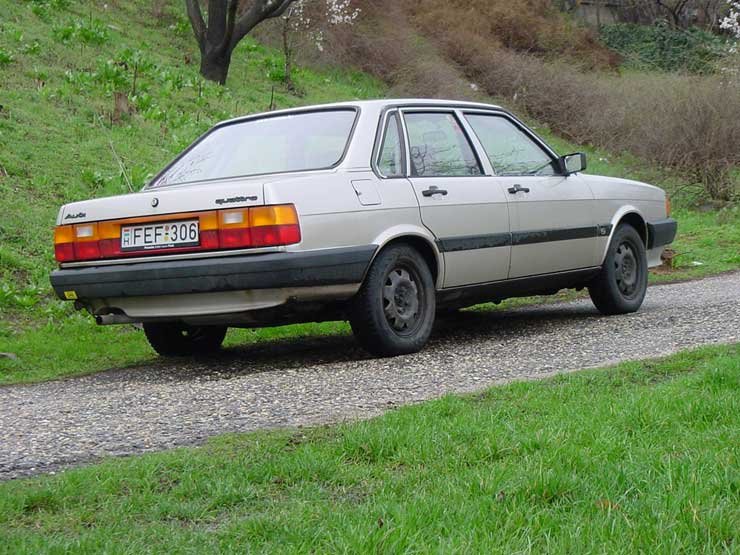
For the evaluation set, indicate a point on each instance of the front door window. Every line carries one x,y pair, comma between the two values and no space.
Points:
509,149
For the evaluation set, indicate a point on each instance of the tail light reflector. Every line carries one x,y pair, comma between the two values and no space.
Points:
259,226
86,246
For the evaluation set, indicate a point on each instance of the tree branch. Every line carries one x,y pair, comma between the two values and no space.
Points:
259,11
196,21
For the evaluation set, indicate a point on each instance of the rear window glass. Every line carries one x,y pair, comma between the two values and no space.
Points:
293,142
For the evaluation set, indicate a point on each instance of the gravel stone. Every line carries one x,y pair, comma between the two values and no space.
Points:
50,426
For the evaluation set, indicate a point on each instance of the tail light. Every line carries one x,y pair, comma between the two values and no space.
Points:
259,226
667,206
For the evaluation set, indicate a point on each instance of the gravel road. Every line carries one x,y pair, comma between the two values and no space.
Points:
49,426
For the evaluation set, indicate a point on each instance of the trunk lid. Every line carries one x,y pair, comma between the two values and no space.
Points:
233,193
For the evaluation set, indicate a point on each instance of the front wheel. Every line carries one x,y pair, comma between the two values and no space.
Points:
393,313
176,340
621,285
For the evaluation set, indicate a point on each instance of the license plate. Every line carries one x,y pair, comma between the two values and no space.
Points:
164,235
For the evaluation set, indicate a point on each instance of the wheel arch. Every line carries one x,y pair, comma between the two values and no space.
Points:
421,240
632,216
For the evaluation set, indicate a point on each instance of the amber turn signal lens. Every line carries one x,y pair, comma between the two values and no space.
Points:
64,234
667,206
281,214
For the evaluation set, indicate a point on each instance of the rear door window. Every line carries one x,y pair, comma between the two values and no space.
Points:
439,146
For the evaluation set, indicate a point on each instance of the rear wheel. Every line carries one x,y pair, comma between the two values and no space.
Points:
393,313
174,339
621,286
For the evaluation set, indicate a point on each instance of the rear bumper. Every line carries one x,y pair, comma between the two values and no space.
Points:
661,232
206,275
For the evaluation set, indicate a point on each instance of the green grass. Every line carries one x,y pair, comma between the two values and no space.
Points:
640,458
60,63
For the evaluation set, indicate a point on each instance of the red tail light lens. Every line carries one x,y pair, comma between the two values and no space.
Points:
88,250
271,235
64,252
259,226
209,240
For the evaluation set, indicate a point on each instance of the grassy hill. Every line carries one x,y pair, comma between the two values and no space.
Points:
63,137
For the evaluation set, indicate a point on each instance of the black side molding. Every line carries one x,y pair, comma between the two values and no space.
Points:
661,232
471,242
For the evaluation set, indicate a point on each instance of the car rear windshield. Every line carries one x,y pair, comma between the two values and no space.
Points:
276,144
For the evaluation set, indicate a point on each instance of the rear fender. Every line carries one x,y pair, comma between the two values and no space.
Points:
399,232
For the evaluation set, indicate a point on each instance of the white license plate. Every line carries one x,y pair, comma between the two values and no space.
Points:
164,235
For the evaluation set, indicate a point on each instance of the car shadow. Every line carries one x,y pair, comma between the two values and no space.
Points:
458,328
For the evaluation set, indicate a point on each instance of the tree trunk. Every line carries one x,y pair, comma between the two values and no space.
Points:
214,66
225,29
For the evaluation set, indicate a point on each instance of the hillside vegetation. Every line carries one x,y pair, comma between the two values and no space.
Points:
532,58
96,97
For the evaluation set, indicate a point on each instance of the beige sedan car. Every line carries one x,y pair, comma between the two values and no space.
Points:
378,212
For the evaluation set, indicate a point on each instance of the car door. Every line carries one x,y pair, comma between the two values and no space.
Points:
465,209
552,216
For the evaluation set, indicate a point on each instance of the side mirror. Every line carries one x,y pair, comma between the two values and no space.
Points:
572,163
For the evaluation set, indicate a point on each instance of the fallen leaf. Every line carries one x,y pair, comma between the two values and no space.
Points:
607,505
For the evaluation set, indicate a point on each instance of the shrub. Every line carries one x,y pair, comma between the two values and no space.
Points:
681,122
688,123
663,47
530,26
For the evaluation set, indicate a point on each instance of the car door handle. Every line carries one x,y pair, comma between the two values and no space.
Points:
517,188
434,190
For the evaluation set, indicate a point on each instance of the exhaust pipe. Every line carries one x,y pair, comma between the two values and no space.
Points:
110,319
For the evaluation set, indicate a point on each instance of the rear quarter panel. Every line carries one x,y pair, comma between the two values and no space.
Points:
332,215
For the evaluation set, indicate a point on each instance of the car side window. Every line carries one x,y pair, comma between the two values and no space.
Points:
509,149
390,157
439,146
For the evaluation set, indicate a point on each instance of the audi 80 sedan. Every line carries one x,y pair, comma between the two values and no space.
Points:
377,212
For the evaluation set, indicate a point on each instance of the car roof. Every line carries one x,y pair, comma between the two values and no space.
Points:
376,105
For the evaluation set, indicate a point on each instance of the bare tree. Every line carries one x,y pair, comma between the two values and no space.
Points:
675,9
224,28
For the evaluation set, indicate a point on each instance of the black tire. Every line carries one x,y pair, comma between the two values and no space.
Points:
393,313
621,286
178,340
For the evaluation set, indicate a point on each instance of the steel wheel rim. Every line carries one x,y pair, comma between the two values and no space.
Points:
403,302
627,269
